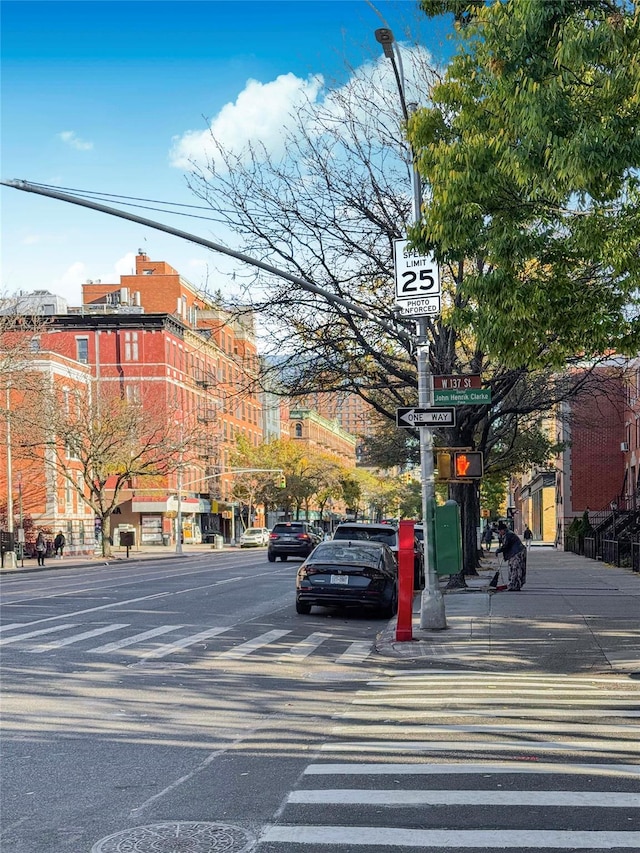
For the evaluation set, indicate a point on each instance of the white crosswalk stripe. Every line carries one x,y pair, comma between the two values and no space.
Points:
78,638
252,645
412,803
17,638
133,639
134,644
184,643
305,647
356,653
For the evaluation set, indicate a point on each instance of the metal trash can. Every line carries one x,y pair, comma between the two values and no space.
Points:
218,543
165,539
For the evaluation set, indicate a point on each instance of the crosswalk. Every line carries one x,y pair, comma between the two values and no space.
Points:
157,644
453,760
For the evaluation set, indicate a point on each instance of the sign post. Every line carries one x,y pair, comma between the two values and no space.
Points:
406,540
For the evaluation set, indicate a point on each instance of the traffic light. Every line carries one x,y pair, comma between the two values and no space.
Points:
443,463
282,484
467,465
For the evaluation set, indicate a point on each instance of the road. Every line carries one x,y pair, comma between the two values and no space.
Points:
182,704
175,688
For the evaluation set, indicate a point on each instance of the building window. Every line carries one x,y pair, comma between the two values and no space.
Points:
34,345
298,431
131,346
82,350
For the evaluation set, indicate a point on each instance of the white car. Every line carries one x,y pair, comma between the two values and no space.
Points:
254,537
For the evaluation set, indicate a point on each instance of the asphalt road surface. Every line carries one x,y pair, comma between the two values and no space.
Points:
182,705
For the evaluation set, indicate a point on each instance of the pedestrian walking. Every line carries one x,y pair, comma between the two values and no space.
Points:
515,554
527,536
58,544
488,537
41,548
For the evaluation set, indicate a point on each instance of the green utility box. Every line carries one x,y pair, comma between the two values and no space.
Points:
448,539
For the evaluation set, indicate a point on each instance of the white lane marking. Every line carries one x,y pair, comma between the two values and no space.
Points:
305,647
132,601
251,645
13,625
500,767
394,797
479,746
421,676
464,693
77,638
382,836
393,728
17,637
170,648
505,713
134,638
380,700
356,652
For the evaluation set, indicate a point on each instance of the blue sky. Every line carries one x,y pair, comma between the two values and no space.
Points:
115,96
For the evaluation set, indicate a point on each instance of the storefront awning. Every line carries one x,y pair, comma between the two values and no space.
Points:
165,503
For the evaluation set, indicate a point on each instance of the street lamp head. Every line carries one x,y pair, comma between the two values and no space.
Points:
386,39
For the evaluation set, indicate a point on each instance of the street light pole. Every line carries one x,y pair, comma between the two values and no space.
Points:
10,556
432,612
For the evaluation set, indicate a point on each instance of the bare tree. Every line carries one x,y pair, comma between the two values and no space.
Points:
98,443
329,210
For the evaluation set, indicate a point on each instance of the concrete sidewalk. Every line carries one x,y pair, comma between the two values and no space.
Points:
119,555
573,614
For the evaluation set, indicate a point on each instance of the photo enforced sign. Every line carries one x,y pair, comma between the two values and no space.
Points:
417,282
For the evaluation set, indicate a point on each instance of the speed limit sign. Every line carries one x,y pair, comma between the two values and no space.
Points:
417,281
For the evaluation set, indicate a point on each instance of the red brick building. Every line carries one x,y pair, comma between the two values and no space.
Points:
158,341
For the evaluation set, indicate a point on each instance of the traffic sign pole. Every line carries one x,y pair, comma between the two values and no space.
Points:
432,612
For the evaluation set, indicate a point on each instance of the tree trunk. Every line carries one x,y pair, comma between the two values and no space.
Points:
106,535
466,496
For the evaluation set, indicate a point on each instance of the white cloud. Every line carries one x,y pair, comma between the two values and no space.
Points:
30,239
74,141
259,115
125,266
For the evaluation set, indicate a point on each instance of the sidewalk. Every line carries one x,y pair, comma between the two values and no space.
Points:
119,555
573,614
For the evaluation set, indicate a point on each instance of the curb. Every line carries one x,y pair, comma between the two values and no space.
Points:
101,561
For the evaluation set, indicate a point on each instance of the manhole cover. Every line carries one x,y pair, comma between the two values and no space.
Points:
177,837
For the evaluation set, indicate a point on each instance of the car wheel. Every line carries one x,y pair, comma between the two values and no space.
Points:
284,558
390,608
271,557
302,608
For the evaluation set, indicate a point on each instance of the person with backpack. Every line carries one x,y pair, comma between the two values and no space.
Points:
515,555
58,544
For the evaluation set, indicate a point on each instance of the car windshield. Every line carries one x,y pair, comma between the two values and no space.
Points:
253,531
290,528
376,534
344,554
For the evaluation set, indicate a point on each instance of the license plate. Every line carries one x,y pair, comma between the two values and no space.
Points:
343,579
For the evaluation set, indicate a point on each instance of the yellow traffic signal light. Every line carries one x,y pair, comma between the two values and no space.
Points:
443,462
467,465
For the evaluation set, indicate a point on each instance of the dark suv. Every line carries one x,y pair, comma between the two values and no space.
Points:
291,539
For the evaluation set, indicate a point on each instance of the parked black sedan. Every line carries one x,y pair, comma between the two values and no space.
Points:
348,574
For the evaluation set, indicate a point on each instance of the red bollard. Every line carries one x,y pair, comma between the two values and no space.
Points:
405,580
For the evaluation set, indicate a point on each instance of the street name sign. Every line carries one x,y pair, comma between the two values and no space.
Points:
470,380
467,396
417,282
412,417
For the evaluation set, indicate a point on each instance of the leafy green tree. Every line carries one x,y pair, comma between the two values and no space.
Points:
530,151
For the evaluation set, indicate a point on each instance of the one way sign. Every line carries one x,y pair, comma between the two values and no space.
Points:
441,416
